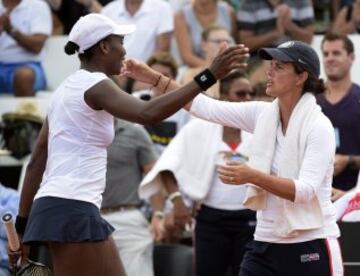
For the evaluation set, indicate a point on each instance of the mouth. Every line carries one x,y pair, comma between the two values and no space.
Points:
269,83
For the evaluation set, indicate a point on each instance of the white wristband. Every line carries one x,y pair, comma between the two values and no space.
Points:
174,195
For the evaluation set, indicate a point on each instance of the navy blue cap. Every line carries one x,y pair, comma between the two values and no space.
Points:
294,51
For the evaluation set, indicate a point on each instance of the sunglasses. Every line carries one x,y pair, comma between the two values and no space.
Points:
244,93
219,41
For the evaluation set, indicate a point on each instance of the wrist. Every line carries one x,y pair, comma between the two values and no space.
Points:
158,214
20,224
351,164
174,196
205,79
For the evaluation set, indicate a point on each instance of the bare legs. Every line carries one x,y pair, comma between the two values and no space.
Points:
86,259
24,82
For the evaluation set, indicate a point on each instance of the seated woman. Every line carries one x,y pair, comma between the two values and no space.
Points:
193,19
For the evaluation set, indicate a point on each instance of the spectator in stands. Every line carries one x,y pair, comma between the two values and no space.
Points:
264,23
341,103
163,132
65,178
9,203
211,39
67,12
223,225
130,156
347,21
24,26
154,25
193,19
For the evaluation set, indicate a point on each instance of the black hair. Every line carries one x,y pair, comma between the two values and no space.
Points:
226,82
71,48
313,84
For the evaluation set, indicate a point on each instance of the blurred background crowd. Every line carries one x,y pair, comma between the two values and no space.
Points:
178,38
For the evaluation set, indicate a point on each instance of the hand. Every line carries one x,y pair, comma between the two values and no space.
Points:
172,233
336,194
182,215
284,17
157,228
341,162
235,173
5,23
19,255
228,59
139,71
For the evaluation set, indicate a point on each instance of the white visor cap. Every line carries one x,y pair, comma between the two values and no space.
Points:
92,28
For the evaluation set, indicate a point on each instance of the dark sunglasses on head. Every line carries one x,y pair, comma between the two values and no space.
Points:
244,93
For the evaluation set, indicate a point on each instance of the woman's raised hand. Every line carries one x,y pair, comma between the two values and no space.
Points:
139,71
228,59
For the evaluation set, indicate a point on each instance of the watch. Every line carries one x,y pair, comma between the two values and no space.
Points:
352,163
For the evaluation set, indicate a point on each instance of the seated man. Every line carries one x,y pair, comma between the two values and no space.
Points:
24,28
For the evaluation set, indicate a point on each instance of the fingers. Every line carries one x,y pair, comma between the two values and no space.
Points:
14,256
223,47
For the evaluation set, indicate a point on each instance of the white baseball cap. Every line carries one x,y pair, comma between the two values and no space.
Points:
92,28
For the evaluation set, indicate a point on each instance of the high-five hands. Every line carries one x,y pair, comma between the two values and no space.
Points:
229,59
235,173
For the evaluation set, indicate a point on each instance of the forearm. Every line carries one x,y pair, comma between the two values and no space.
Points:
304,34
169,181
33,177
163,106
279,186
32,43
157,200
257,41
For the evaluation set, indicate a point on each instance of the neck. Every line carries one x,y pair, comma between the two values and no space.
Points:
10,4
93,66
205,9
286,106
231,135
133,6
336,90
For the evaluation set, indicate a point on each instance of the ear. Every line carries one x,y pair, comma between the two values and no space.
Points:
203,45
104,46
301,78
352,57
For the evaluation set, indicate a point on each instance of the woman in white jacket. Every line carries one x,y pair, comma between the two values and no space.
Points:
290,167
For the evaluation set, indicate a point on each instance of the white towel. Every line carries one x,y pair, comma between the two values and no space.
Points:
293,217
191,157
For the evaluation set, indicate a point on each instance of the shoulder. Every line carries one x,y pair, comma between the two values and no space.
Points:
38,4
159,4
356,90
323,126
110,7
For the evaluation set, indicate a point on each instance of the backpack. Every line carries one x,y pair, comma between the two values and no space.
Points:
19,134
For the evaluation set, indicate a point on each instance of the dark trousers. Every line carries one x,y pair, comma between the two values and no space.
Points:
309,258
220,240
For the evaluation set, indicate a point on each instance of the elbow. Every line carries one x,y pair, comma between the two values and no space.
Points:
304,193
36,49
148,118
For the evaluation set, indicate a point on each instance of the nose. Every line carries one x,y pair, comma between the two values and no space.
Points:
248,97
123,51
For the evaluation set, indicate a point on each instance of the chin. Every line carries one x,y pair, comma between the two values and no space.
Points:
270,92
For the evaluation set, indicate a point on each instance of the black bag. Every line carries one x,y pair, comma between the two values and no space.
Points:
19,134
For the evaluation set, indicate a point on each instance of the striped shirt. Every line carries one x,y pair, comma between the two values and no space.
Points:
259,16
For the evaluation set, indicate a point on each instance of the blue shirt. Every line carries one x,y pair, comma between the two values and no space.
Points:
345,117
9,203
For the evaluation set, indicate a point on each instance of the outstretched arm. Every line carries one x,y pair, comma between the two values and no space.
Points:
107,96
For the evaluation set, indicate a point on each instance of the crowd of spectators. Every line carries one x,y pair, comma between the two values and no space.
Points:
179,38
